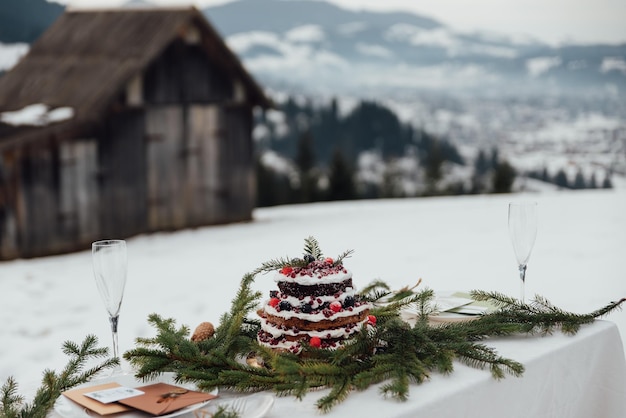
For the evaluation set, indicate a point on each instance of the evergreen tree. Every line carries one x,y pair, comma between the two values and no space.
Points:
579,180
560,179
503,178
495,158
273,188
342,185
481,168
481,165
434,165
306,166
593,183
264,185
607,183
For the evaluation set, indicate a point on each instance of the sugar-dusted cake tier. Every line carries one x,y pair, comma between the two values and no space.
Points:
316,304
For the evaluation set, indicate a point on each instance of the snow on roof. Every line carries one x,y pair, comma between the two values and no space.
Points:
36,115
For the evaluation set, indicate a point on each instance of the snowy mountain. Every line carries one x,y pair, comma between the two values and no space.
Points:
542,107
290,43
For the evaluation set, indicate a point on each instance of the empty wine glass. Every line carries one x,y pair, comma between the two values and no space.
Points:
523,231
109,268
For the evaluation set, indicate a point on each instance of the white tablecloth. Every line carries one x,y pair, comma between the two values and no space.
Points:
581,376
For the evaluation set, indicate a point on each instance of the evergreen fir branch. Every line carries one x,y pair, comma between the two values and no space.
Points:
339,259
339,392
11,400
480,356
277,264
53,384
500,300
392,352
312,247
376,286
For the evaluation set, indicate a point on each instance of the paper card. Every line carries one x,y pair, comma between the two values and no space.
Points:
113,394
161,398
78,396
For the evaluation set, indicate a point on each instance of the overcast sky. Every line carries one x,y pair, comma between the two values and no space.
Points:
552,21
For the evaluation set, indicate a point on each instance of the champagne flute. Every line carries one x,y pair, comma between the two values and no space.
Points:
109,268
523,231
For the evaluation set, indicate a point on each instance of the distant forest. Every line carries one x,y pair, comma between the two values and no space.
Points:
321,150
325,147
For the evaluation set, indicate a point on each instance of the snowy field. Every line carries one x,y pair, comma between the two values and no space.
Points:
452,243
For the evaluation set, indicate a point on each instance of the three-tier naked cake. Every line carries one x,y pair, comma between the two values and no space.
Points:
316,304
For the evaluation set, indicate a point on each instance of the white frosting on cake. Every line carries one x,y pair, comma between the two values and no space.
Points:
306,278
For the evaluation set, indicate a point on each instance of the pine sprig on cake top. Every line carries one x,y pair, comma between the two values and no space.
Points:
312,252
392,353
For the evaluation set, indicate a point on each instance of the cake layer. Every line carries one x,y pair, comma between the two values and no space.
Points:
297,290
293,334
318,322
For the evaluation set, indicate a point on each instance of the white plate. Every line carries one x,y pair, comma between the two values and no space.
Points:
66,408
255,406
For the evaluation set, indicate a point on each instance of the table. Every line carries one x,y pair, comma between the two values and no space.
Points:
580,376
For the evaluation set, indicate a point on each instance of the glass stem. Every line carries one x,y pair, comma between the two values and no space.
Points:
522,276
114,320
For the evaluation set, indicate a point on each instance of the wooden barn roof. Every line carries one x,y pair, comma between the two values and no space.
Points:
87,56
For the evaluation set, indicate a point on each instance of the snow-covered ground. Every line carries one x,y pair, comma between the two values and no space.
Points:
451,243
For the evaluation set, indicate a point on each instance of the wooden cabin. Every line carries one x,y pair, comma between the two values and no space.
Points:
144,124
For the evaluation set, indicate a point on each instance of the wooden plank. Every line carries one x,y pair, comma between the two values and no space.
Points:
165,188
203,164
121,157
238,124
79,199
39,233
8,222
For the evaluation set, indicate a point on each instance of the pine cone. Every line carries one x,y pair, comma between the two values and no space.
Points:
204,331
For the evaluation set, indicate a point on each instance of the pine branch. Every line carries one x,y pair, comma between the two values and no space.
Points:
339,259
277,264
312,247
53,384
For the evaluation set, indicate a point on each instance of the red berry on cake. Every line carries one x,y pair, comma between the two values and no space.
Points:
273,302
286,270
315,342
371,319
329,260
335,306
